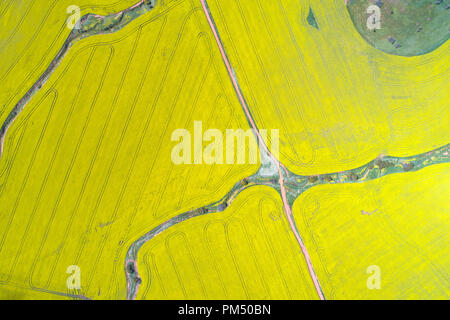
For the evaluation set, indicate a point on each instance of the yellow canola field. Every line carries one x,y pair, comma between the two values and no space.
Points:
245,252
337,101
86,168
31,34
397,225
87,165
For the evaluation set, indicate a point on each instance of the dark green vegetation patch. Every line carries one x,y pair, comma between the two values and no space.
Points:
312,19
407,27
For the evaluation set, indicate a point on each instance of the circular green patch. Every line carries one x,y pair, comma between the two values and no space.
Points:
402,27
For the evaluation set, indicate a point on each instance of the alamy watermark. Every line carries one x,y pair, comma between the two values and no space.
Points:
374,20
73,22
374,280
74,280
212,147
